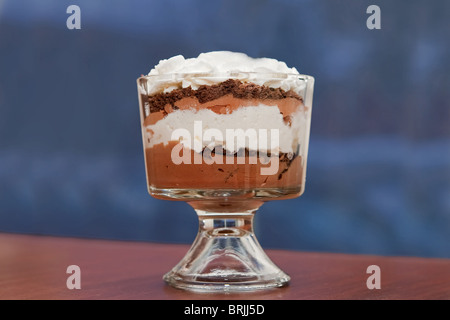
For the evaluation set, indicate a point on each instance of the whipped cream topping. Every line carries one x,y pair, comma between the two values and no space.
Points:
250,118
217,66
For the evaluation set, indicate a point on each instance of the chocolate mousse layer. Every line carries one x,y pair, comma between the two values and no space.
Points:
163,173
206,93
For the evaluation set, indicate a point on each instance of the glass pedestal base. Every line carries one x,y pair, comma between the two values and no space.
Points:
226,257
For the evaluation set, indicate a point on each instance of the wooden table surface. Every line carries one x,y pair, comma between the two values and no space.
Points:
34,267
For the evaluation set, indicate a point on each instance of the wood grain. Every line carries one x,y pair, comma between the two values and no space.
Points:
34,267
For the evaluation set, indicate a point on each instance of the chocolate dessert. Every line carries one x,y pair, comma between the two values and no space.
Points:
239,130
225,133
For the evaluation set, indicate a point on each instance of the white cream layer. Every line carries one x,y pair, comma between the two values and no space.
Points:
197,129
217,66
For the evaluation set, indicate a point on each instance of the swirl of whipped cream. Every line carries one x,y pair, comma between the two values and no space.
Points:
217,66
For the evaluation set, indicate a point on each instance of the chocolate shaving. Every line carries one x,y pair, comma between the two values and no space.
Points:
287,158
231,174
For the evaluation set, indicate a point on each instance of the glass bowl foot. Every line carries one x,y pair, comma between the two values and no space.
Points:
226,257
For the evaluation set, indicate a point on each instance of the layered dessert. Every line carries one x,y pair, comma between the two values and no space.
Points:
224,121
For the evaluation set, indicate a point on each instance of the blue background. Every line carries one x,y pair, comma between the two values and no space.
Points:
378,179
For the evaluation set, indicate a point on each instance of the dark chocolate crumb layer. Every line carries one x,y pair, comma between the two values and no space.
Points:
205,93
285,158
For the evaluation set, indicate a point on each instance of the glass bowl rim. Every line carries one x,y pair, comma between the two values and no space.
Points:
230,75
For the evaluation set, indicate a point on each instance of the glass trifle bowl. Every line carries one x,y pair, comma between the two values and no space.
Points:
225,133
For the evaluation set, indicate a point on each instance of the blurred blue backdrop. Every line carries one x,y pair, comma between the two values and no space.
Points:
378,179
